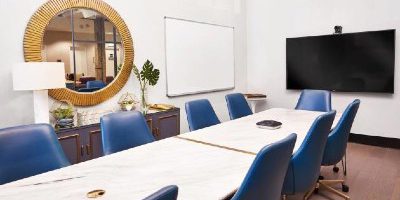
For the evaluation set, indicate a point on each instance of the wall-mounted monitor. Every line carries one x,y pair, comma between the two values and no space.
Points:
353,62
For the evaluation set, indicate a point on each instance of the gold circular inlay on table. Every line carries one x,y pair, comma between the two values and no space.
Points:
33,42
95,193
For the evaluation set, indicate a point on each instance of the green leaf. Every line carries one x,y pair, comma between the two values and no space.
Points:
136,72
147,75
150,74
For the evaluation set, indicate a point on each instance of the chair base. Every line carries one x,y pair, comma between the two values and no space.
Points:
307,195
336,169
326,184
310,192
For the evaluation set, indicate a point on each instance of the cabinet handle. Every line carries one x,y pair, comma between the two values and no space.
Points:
88,151
82,150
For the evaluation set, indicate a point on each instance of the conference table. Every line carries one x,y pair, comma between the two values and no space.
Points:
205,164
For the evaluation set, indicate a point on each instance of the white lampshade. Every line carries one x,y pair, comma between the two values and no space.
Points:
38,75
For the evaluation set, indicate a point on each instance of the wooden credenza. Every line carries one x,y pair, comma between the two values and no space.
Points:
84,142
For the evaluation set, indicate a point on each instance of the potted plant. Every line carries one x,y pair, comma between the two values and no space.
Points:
63,114
148,76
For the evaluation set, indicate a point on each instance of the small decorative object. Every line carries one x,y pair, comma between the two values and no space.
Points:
127,102
111,57
148,76
338,29
95,193
63,112
269,124
161,106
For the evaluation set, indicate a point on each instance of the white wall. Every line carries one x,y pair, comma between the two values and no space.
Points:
270,22
145,19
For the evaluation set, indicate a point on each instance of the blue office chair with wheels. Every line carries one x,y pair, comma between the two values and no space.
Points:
124,130
237,106
314,100
95,84
29,150
200,114
265,177
167,193
304,168
335,149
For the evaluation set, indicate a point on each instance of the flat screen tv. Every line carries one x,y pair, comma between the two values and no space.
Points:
353,62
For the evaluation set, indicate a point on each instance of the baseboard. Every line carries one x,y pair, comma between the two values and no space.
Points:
375,140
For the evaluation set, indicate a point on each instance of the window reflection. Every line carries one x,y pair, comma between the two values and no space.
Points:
88,44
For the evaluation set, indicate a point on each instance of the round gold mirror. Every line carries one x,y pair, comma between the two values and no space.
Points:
92,41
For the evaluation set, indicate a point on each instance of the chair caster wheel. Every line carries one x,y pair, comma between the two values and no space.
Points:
345,188
336,169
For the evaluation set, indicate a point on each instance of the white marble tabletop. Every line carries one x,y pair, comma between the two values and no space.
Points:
243,133
201,171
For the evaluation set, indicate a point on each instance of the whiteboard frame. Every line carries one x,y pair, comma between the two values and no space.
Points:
166,67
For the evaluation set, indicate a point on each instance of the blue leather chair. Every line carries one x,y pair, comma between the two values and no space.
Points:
335,149
314,100
237,106
200,114
124,130
29,150
265,177
304,168
95,84
166,193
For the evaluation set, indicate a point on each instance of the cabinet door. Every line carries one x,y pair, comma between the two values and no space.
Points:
168,125
71,145
149,121
95,147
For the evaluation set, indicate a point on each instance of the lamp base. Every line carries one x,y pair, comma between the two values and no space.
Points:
41,106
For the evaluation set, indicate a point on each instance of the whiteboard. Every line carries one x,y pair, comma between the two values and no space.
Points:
199,57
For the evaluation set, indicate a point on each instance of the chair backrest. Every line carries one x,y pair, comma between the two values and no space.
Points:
84,80
237,106
314,100
265,177
109,79
95,84
29,150
166,193
200,114
337,140
124,130
304,167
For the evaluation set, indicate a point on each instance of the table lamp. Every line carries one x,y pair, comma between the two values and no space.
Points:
39,77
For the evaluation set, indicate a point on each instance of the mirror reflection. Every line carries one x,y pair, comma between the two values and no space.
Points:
89,46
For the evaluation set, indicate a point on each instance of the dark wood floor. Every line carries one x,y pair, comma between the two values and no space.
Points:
373,173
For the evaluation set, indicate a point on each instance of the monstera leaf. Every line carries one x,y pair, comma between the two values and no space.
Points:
149,74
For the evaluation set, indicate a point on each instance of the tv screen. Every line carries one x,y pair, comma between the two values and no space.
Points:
354,62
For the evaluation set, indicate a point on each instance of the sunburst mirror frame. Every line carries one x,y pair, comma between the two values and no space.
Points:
33,41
